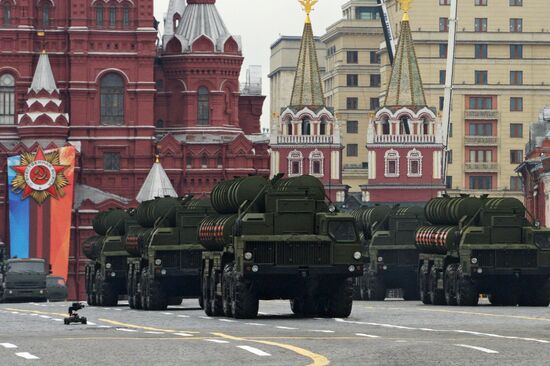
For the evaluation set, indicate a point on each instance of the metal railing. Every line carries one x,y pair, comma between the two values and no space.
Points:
480,140
480,166
481,114
404,139
305,139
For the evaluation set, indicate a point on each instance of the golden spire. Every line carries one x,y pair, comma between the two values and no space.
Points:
308,7
405,6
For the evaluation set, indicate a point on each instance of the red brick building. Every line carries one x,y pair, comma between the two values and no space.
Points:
120,94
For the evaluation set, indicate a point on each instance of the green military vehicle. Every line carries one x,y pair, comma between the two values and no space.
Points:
23,279
393,256
278,240
106,273
164,266
482,246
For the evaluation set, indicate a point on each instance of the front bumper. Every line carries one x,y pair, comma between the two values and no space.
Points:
340,270
15,293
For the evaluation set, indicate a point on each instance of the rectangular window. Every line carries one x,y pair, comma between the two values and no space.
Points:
516,104
6,16
46,15
352,80
450,156
442,76
99,16
443,50
351,150
111,161
481,77
481,51
449,182
516,51
126,17
7,99
516,130
444,2
374,104
352,126
480,2
441,103
352,57
480,25
375,80
352,103
516,25
480,129
443,24
295,167
516,156
481,156
516,184
112,17
392,167
516,2
481,103
481,182
516,77
450,130
316,167
374,57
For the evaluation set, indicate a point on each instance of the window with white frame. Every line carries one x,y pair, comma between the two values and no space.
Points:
391,163
295,163
414,163
316,159
7,99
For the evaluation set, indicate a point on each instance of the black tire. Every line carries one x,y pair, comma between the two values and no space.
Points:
138,304
216,301
90,299
504,296
450,285
423,288
467,293
201,301
340,301
437,296
245,302
66,321
156,296
376,288
107,294
226,291
83,320
143,294
540,295
206,297
357,289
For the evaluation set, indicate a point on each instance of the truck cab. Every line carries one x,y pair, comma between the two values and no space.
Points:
23,280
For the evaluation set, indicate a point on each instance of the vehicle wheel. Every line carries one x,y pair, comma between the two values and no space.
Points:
66,321
201,301
340,302
437,296
156,296
450,284
466,293
144,295
245,302
410,293
376,289
175,300
504,296
130,289
540,295
423,288
206,297
89,299
226,291
357,288
305,307
137,291
83,320
216,300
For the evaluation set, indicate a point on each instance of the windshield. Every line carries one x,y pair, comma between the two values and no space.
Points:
26,267
342,230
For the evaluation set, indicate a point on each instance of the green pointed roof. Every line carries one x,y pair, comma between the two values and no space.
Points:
307,90
405,87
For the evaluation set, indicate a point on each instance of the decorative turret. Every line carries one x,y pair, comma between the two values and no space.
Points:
43,118
157,184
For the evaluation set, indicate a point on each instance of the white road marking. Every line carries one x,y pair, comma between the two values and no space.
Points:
227,320
366,335
59,320
167,313
183,316
117,309
481,349
216,340
258,324
259,312
106,308
27,356
205,317
8,345
15,312
151,332
126,330
254,350
321,331
91,323
289,328
183,334
104,326
45,316
34,314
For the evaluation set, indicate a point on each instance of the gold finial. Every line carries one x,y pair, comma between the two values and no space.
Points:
42,36
157,153
157,158
308,7
405,6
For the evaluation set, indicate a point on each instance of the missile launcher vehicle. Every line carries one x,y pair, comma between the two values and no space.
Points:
277,239
482,245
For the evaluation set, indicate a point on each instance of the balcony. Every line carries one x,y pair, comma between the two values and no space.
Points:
481,114
403,139
480,167
305,139
480,141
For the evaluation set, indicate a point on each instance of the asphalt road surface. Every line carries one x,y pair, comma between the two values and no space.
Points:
378,333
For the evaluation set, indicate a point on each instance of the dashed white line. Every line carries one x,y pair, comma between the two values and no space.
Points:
59,320
321,330
366,335
183,316
183,334
257,352
27,356
227,320
481,349
90,323
8,345
216,340
258,324
289,328
117,309
126,330
45,316
167,313
205,317
151,332
15,312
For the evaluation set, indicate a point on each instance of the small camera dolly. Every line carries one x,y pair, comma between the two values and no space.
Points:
73,315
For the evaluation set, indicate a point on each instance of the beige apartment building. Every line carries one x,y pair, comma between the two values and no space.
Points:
501,82
352,82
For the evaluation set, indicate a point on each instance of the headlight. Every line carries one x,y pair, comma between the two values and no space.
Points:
248,256
380,259
357,255
113,274
108,265
163,272
255,268
480,270
332,208
351,268
41,291
474,260
158,262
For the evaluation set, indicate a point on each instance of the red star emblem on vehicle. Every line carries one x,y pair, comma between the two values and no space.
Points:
39,176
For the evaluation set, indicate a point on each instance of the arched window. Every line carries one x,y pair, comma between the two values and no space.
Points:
295,163
112,17
306,127
425,126
414,163
125,16
219,161
112,99
99,16
289,131
385,126
391,163
176,21
316,159
46,7
203,107
6,14
189,162
7,99
204,161
323,127
404,126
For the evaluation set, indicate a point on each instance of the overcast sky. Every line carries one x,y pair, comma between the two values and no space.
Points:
261,22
